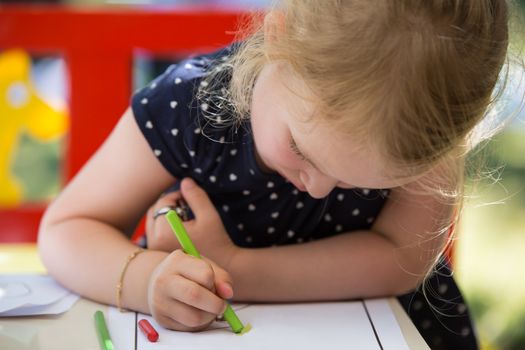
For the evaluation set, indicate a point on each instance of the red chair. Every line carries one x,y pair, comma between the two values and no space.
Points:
98,47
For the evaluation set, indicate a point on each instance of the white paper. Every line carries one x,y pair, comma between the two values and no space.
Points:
58,307
385,324
28,294
121,328
278,326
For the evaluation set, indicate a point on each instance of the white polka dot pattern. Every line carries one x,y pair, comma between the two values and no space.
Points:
251,202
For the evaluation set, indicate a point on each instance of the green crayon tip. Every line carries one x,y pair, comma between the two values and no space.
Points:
231,317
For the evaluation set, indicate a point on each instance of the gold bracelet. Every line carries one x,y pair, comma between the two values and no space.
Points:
121,279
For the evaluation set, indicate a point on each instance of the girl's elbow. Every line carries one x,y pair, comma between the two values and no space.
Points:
45,243
48,236
408,286
44,229
408,282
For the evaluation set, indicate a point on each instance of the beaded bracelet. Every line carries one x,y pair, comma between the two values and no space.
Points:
121,279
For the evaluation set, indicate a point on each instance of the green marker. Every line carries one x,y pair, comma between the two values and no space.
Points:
102,330
187,245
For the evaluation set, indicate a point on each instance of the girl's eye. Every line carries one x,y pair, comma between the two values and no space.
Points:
295,150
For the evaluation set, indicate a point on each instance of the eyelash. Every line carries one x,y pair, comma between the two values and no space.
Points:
295,150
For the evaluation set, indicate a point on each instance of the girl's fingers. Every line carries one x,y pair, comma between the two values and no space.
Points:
223,281
160,236
224,289
169,199
195,269
190,316
195,296
197,199
178,316
170,323
163,237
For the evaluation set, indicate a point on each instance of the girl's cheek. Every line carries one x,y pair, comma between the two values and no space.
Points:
292,162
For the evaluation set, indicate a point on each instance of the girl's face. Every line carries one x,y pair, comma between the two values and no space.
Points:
312,156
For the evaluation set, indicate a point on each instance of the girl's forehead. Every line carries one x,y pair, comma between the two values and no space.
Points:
279,79
294,104
298,104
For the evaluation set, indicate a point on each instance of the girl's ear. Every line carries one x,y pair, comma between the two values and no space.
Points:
273,26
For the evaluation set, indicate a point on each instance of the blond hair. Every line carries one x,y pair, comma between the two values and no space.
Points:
419,74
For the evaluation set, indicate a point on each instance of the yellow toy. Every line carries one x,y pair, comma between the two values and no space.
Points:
21,110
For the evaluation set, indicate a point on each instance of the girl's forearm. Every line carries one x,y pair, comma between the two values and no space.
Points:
87,257
355,265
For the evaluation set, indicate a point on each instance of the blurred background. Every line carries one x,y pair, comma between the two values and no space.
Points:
489,251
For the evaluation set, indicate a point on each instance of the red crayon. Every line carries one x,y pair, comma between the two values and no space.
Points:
148,330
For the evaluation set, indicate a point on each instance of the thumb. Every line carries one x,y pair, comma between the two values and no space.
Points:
195,197
223,282
224,289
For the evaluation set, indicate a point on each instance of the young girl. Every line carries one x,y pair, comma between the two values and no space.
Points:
338,125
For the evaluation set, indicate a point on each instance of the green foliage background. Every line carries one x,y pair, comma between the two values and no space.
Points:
490,246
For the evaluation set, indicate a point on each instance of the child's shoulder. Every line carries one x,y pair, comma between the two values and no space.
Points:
182,83
193,70
185,118
189,73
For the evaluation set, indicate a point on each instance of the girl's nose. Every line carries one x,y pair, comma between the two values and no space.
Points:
317,184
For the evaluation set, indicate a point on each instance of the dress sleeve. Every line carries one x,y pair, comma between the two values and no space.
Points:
166,115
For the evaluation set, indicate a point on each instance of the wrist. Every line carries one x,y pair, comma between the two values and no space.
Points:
136,280
231,257
237,268
120,283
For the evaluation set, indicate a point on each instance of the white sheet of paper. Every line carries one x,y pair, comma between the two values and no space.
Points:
58,307
27,291
385,324
121,328
280,326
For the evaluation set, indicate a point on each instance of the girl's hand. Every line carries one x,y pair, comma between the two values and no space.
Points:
186,293
206,230
158,231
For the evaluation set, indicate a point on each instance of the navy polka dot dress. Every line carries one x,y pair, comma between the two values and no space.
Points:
186,120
